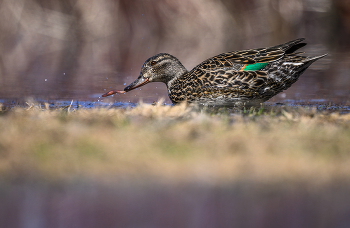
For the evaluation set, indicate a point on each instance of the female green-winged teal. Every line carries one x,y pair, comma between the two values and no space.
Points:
234,78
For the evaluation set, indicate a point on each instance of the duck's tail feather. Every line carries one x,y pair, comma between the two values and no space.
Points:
292,49
313,59
308,61
291,46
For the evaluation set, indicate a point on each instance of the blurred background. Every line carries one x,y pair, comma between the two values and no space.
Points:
75,49
79,49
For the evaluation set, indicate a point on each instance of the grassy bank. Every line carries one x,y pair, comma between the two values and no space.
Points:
175,144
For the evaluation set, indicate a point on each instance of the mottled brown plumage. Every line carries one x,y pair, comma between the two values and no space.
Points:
235,78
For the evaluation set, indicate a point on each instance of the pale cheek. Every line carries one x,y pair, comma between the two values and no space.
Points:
148,74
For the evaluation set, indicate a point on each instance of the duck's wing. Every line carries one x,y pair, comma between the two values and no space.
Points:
227,84
252,59
250,84
233,79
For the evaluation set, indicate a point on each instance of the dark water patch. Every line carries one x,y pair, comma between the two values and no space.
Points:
88,104
74,104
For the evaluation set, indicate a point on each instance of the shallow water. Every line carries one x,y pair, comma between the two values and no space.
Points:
317,104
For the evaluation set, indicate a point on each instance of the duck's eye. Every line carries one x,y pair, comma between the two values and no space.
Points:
153,63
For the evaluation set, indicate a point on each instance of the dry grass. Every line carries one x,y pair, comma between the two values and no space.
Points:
174,144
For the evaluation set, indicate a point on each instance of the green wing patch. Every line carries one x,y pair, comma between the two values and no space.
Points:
255,66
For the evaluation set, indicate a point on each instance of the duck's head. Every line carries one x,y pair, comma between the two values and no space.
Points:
159,68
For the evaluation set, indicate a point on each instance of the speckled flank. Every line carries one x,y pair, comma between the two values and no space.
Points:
241,77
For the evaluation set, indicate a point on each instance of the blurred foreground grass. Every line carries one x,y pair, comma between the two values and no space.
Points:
174,144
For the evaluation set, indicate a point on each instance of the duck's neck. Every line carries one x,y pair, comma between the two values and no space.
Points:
176,74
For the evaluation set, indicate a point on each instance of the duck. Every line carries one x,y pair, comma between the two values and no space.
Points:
238,78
